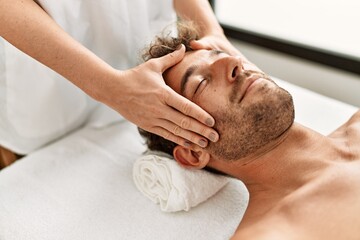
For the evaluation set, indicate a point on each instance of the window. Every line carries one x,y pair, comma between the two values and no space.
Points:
323,30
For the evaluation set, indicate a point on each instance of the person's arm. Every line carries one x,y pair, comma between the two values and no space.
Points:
201,13
29,28
212,35
139,94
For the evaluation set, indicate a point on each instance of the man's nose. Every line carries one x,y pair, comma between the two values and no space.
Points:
228,67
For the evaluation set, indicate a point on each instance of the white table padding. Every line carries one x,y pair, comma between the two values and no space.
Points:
81,186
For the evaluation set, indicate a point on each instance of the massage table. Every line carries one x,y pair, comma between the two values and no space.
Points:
81,186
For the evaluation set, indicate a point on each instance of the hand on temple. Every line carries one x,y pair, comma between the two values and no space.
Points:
144,99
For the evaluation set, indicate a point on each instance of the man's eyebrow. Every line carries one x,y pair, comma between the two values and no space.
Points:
185,78
215,52
191,70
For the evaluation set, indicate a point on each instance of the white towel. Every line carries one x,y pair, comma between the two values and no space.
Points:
175,188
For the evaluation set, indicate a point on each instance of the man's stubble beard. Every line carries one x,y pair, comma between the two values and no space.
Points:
244,130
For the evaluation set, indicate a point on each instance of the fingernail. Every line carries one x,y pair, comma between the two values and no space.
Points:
179,47
209,122
187,144
202,143
213,137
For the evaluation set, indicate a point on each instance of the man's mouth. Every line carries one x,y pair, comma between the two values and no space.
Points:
246,81
247,85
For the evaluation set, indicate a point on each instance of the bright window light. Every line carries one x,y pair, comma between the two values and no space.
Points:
330,25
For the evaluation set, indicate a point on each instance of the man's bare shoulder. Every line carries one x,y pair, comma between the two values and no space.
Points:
351,128
354,120
349,132
354,126
266,229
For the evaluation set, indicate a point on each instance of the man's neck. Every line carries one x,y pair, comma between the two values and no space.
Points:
286,164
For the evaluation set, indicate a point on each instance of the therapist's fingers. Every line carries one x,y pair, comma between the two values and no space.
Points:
198,44
171,131
188,128
215,42
190,121
191,117
170,59
188,108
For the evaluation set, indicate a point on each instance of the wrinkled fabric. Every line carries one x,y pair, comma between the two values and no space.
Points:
37,105
162,180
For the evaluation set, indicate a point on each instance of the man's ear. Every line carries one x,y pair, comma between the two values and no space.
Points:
189,158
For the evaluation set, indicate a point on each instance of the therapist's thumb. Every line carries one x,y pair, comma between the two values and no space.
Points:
173,58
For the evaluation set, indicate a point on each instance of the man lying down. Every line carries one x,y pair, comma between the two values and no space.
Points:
302,185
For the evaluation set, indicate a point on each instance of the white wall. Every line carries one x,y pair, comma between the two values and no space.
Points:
325,80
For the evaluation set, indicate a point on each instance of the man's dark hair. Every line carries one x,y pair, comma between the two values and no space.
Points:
166,43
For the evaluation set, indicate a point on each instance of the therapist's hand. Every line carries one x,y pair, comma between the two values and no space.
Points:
215,41
144,99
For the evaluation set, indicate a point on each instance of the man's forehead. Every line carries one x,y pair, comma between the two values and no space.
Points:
193,57
175,75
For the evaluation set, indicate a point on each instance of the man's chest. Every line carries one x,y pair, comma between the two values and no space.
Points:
327,209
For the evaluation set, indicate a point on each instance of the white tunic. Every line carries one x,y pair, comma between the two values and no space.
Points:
36,104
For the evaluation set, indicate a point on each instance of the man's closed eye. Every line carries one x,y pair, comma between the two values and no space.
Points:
200,87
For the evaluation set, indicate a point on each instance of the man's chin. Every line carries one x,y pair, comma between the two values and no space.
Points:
262,118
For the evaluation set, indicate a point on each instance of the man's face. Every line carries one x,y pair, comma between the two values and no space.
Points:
249,108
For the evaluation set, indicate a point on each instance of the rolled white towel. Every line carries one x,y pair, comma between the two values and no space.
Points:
175,188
